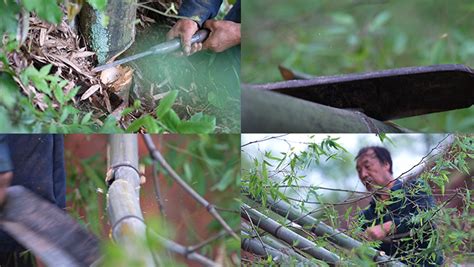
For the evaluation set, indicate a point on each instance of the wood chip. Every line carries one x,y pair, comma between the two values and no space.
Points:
107,102
42,36
90,91
83,54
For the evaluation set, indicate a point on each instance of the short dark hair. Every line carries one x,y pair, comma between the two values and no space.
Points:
382,154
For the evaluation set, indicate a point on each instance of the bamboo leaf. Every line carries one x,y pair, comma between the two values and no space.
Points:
166,103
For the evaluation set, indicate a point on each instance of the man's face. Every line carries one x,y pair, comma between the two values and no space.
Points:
372,172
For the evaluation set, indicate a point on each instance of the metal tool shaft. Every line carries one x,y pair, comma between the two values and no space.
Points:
163,48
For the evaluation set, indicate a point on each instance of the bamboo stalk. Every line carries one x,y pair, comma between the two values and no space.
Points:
109,39
321,229
267,241
123,205
293,239
252,245
270,112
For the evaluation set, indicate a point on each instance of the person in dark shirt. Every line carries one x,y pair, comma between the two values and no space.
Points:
224,34
393,206
36,162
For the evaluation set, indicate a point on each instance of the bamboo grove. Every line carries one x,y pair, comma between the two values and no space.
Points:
285,220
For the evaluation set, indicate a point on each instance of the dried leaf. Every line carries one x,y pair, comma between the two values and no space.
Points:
71,64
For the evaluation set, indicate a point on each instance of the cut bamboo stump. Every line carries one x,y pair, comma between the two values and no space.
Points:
123,202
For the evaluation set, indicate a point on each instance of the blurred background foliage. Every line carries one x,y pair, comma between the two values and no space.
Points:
349,36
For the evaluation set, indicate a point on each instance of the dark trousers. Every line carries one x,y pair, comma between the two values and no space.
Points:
17,259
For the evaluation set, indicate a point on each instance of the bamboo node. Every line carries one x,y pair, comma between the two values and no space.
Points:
119,221
110,176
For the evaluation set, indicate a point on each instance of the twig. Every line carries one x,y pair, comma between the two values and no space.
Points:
227,210
156,186
156,155
207,241
182,250
263,140
163,13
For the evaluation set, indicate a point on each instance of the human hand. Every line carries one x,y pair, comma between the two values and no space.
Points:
224,34
5,180
378,232
185,29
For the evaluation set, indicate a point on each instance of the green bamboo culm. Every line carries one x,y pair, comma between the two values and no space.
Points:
109,32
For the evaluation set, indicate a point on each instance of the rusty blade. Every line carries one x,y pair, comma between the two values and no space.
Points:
290,74
387,94
46,230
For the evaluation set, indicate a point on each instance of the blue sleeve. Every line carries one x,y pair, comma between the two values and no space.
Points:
234,13
369,215
402,224
200,9
418,201
5,161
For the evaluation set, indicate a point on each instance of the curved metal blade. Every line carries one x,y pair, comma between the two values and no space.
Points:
46,230
387,94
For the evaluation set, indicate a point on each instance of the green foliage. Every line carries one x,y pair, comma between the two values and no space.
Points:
210,163
169,121
87,190
57,115
48,10
8,11
9,96
117,255
54,110
270,173
458,158
166,103
98,4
